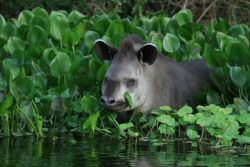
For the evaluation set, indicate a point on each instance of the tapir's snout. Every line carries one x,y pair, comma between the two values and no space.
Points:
108,101
112,103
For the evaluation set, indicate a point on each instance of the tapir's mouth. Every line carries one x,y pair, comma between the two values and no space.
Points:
120,106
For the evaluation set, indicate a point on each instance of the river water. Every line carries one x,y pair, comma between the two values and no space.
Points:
107,152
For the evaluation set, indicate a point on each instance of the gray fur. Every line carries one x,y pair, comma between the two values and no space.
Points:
160,81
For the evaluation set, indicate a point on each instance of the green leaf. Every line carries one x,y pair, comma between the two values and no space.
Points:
163,129
102,23
125,126
7,103
232,131
2,22
13,44
8,30
25,17
166,119
60,64
39,79
115,27
12,66
89,38
128,99
132,133
166,108
75,17
89,103
91,122
102,71
25,86
59,25
237,76
192,134
236,30
184,16
171,43
202,120
93,66
69,38
36,34
190,118
184,110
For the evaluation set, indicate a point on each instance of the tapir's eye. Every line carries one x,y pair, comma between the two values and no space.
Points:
131,83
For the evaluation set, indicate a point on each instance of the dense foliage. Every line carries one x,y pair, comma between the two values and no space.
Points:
50,77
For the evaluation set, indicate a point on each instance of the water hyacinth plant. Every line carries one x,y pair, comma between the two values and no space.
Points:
50,76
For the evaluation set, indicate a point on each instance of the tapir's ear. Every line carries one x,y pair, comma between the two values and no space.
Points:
103,50
147,53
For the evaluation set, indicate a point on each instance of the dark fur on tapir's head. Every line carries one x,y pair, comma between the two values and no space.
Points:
127,71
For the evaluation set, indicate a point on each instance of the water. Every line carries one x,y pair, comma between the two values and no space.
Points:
106,152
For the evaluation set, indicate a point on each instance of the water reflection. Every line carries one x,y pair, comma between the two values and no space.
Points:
105,152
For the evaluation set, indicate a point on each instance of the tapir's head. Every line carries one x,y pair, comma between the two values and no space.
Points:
127,72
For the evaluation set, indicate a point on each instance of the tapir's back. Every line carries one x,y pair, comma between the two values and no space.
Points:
179,82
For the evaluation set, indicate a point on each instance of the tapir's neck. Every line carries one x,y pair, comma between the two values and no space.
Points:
154,75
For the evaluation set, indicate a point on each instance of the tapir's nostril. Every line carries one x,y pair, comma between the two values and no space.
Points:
103,100
111,101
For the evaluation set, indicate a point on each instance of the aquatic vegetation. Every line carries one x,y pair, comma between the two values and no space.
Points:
50,77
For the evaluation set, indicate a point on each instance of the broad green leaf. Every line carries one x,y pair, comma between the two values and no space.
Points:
25,86
59,25
190,118
102,23
237,30
91,122
102,71
243,139
125,126
166,108
172,26
89,38
25,17
7,103
237,76
41,19
171,43
232,131
69,38
163,129
237,53
12,66
2,22
184,110
60,64
214,58
36,34
93,66
132,133
184,16
75,17
166,119
192,134
128,99
89,103
41,12
39,79
115,27
8,30
203,121
13,44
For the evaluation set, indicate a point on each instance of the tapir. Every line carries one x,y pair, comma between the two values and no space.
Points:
151,79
